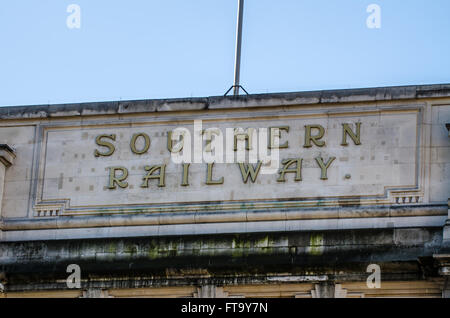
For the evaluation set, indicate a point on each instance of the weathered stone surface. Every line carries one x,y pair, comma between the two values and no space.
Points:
382,200
225,253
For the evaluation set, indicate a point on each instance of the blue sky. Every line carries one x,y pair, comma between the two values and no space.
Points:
139,49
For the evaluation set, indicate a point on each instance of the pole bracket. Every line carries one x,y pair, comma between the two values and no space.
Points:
234,86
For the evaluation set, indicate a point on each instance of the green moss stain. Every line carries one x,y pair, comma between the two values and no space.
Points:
316,244
239,246
130,249
112,248
264,242
153,253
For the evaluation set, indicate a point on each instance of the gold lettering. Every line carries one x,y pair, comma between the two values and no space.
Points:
297,170
209,179
346,130
146,145
170,143
314,139
246,136
272,136
185,174
324,167
248,170
110,146
152,169
209,133
113,179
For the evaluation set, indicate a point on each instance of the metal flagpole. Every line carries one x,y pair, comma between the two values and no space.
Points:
237,64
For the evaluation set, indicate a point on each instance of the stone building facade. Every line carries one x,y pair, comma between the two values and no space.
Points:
339,193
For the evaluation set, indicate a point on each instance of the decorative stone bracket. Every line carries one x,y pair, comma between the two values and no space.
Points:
7,157
443,263
48,210
407,197
329,290
210,291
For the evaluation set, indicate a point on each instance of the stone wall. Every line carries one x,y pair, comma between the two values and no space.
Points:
361,177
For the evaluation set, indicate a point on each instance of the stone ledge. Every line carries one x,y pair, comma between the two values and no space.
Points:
230,228
95,221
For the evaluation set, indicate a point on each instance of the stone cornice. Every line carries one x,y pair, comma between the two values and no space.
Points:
227,102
